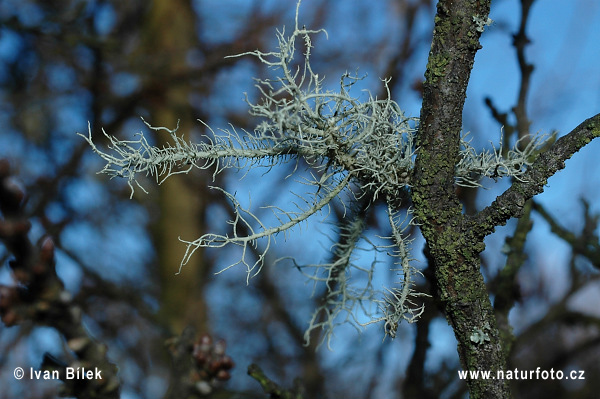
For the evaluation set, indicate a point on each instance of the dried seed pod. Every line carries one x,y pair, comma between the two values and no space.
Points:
223,375
219,348
46,245
227,363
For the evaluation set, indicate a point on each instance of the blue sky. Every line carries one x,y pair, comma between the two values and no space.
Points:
565,91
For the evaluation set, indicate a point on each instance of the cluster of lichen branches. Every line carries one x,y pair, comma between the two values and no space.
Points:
362,149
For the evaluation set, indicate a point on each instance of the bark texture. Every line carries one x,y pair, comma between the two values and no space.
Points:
454,249
455,240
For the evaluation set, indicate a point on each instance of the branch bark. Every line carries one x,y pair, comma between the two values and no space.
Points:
455,252
455,240
511,202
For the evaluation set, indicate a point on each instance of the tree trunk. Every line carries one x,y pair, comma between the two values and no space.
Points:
170,34
453,246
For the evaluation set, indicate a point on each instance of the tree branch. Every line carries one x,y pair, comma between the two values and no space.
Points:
39,296
511,202
454,250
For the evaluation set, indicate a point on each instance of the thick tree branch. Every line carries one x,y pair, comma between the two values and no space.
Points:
455,42
511,202
454,250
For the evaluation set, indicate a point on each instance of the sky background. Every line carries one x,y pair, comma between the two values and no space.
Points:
565,90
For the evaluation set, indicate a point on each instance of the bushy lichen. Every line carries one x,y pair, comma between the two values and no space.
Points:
363,148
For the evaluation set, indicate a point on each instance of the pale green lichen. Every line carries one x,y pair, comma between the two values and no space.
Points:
362,148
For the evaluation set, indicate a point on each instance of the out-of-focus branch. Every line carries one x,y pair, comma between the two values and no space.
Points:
560,313
507,288
415,383
520,41
272,388
312,372
40,297
586,243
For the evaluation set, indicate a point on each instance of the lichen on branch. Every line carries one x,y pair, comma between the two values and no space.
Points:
356,149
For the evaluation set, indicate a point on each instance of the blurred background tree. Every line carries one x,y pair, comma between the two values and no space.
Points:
66,63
